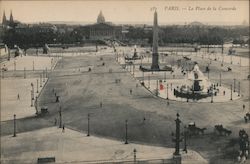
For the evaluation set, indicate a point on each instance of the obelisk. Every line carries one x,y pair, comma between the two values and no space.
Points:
155,55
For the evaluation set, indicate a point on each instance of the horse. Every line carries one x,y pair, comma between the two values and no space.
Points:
201,130
221,130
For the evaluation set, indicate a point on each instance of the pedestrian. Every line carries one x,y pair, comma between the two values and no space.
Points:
245,119
63,128
55,121
243,107
144,119
224,93
130,91
18,97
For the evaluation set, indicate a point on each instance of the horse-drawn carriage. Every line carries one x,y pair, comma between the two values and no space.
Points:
192,129
44,110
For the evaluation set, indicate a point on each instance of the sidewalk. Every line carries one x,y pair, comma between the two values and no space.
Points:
72,146
10,104
30,63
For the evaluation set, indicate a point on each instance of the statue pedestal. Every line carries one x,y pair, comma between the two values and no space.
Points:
177,159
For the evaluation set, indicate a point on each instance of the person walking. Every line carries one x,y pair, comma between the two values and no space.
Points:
63,128
144,119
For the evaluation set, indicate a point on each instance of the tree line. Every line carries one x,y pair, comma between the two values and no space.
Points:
204,35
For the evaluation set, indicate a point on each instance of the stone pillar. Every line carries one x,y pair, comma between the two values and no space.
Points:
155,55
176,155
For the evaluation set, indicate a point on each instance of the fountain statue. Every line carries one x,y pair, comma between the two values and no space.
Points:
46,49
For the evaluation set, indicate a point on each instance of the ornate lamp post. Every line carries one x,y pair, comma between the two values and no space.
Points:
212,95
60,117
14,134
167,91
239,88
177,135
36,105
40,80
32,91
231,59
133,69
24,73
148,80
234,85
36,85
88,124
31,98
143,76
33,65
164,76
126,132
231,97
43,76
185,139
156,93
208,70
220,78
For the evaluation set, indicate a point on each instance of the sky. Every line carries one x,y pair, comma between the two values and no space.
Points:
128,11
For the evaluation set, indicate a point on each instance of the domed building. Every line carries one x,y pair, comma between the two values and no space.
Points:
101,30
100,18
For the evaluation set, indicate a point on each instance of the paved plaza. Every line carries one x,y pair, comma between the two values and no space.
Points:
98,84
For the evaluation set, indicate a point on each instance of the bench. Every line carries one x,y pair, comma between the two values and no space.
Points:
46,160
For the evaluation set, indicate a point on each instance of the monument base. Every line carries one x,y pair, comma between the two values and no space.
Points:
177,159
191,95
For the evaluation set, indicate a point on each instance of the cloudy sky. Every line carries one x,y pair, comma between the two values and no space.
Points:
128,11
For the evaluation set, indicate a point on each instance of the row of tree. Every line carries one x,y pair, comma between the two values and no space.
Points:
205,35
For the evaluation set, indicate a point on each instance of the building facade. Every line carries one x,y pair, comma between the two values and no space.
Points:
101,30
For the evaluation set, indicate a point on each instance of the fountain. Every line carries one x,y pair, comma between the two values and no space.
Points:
135,56
196,86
